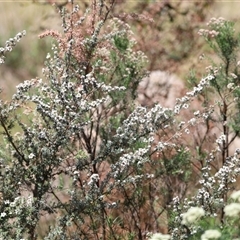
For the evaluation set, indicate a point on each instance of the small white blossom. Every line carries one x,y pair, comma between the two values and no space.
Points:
3,214
31,156
185,106
197,113
93,179
187,131
12,204
221,139
230,86
192,121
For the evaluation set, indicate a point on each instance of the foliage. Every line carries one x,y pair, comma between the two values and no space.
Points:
80,157
165,30
220,168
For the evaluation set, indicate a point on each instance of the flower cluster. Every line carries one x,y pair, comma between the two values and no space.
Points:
10,43
207,33
159,236
233,209
192,215
184,101
216,22
211,234
215,25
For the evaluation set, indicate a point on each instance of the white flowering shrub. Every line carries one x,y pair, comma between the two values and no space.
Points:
218,165
80,159
59,154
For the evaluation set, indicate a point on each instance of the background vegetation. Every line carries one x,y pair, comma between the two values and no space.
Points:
37,16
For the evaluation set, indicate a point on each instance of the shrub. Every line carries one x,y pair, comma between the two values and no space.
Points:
80,159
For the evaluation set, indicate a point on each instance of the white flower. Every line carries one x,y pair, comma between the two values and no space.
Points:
3,214
233,75
12,204
187,131
236,195
185,106
159,236
221,139
192,215
31,156
211,234
230,86
93,179
197,113
192,121
232,210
